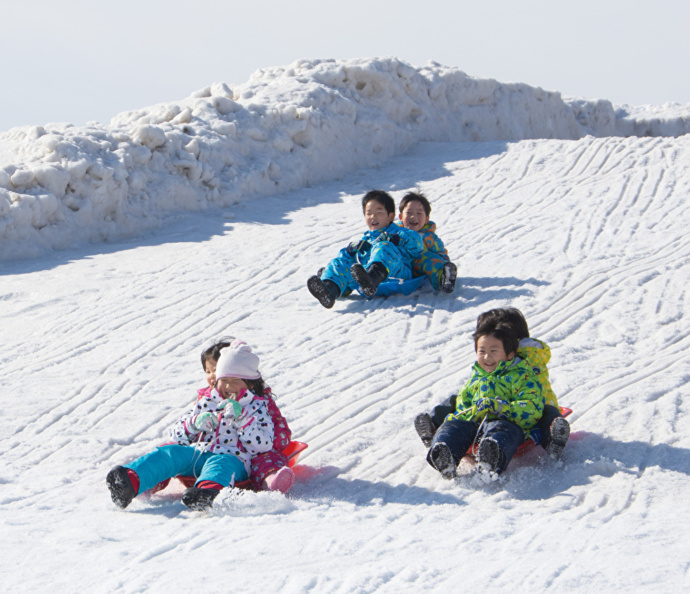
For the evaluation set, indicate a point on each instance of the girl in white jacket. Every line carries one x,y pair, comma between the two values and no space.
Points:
215,441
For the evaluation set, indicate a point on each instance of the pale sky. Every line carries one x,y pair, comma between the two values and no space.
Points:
78,60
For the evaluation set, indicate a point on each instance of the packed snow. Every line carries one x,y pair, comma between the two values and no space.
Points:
129,248
285,129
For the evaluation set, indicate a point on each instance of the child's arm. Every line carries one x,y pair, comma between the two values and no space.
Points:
435,245
410,242
281,431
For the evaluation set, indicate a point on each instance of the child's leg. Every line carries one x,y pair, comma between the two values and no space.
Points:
426,424
163,463
507,436
392,259
338,272
431,266
441,411
550,413
266,466
457,436
222,469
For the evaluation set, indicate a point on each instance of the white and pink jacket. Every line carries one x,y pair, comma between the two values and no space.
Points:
244,437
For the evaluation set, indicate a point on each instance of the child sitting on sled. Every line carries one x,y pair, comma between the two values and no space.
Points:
216,439
385,250
498,405
269,471
434,262
553,429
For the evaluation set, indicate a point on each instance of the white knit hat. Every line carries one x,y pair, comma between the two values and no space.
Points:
237,360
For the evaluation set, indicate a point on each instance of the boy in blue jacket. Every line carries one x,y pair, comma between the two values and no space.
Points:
385,250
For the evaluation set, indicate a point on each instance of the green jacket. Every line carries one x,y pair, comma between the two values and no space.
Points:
512,382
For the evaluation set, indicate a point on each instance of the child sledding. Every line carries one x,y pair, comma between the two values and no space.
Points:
501,405
234,432
397,253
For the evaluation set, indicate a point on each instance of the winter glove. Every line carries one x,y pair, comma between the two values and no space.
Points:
491,406
358,246
205,421
231,408
393,238
469,414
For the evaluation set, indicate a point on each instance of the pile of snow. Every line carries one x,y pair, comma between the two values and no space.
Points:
286,128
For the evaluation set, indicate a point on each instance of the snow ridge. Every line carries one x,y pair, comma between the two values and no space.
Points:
285,129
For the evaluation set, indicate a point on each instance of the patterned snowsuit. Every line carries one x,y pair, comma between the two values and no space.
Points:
396,258
268,462
514,383
432,260
222,456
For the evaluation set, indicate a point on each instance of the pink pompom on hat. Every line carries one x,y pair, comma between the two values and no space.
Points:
237,360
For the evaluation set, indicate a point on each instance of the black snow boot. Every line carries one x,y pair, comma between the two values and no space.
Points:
199,499
448,276
559,432
490,456
425,428
369,279
325,291
121,489
442,459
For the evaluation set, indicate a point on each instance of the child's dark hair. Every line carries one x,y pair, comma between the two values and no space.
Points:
510,315
383,198
257,386
212,353
415,197
500,330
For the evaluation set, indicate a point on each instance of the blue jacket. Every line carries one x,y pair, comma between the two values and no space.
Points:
409,243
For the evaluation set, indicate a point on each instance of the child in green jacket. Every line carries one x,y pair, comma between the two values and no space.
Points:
500,403
552,430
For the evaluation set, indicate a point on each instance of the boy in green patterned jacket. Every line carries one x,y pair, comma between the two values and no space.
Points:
552,430
500,403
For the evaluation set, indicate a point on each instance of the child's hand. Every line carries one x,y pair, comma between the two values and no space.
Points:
358,246
490,406
231,408
205,421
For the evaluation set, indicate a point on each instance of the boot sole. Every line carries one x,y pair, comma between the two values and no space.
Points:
318,290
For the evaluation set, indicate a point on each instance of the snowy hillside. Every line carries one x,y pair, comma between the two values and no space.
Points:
100,344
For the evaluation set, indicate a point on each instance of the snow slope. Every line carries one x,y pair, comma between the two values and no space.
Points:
587,236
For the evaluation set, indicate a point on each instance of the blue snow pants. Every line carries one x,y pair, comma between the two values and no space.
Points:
169,461
460,435
338,269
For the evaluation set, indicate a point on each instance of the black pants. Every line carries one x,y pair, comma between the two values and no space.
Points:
460,435
441,411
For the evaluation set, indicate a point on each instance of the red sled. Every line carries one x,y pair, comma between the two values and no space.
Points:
292,451
526,445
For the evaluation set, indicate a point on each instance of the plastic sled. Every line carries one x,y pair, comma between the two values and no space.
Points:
527,445
292,451
399,286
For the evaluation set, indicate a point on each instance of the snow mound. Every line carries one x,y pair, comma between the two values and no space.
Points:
284,129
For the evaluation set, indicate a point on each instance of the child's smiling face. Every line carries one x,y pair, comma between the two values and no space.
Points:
490,352
210,367
230,387
376,215
414,216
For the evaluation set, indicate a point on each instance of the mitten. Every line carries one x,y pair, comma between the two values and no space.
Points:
469,414
358,246
205,421
394,239
492,406
231,408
